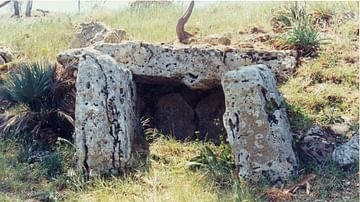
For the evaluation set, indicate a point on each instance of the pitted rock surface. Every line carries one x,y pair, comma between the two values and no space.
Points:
198,67
348,153
105,114
5,55
257,125
95,32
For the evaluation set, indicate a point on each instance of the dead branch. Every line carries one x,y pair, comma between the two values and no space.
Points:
4,3
182,35
44,12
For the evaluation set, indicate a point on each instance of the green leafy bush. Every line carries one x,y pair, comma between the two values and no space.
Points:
28,85
47,100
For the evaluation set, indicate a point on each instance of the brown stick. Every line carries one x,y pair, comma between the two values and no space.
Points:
182,35
44,12
4,3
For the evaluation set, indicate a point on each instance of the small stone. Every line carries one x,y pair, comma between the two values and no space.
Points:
218,40
96,32
316,130
341,129
255,30
348,153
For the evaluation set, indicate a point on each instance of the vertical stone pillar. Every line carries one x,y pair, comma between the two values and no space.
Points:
256,124
104,113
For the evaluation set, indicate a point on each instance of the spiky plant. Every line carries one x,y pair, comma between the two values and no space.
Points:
28,85
303,37
285,16
301,33
322,14
48,99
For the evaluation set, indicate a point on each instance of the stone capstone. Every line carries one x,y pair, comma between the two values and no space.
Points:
348,153
95,32
257,126
197,67
104,113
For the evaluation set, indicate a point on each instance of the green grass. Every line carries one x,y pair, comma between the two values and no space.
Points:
166,177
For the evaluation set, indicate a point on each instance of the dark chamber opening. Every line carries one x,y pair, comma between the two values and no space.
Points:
178,111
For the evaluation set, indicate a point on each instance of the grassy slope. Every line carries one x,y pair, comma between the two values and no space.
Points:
311,91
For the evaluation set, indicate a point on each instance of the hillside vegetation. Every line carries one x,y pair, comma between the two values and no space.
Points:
324,90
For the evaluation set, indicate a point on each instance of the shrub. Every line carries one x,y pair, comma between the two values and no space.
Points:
52,164
213,163
301,34
47,99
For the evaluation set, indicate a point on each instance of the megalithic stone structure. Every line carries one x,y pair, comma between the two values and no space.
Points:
105,117
255,119
256,124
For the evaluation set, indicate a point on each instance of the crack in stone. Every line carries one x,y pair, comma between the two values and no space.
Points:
148,49
234,126
115,126
86,166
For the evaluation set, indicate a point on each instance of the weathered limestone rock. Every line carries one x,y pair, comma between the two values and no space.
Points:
317,143
105,114
199,67
174,116
95,32
209,112
347,153
316,147
5,55
257,125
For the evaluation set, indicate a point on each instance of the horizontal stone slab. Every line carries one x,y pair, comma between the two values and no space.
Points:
198,67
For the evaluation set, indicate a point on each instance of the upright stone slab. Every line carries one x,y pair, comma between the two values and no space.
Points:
257,125
104,113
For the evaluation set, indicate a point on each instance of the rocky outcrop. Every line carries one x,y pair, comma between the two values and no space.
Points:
256,124
105,114
5,55
95,32
347,153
